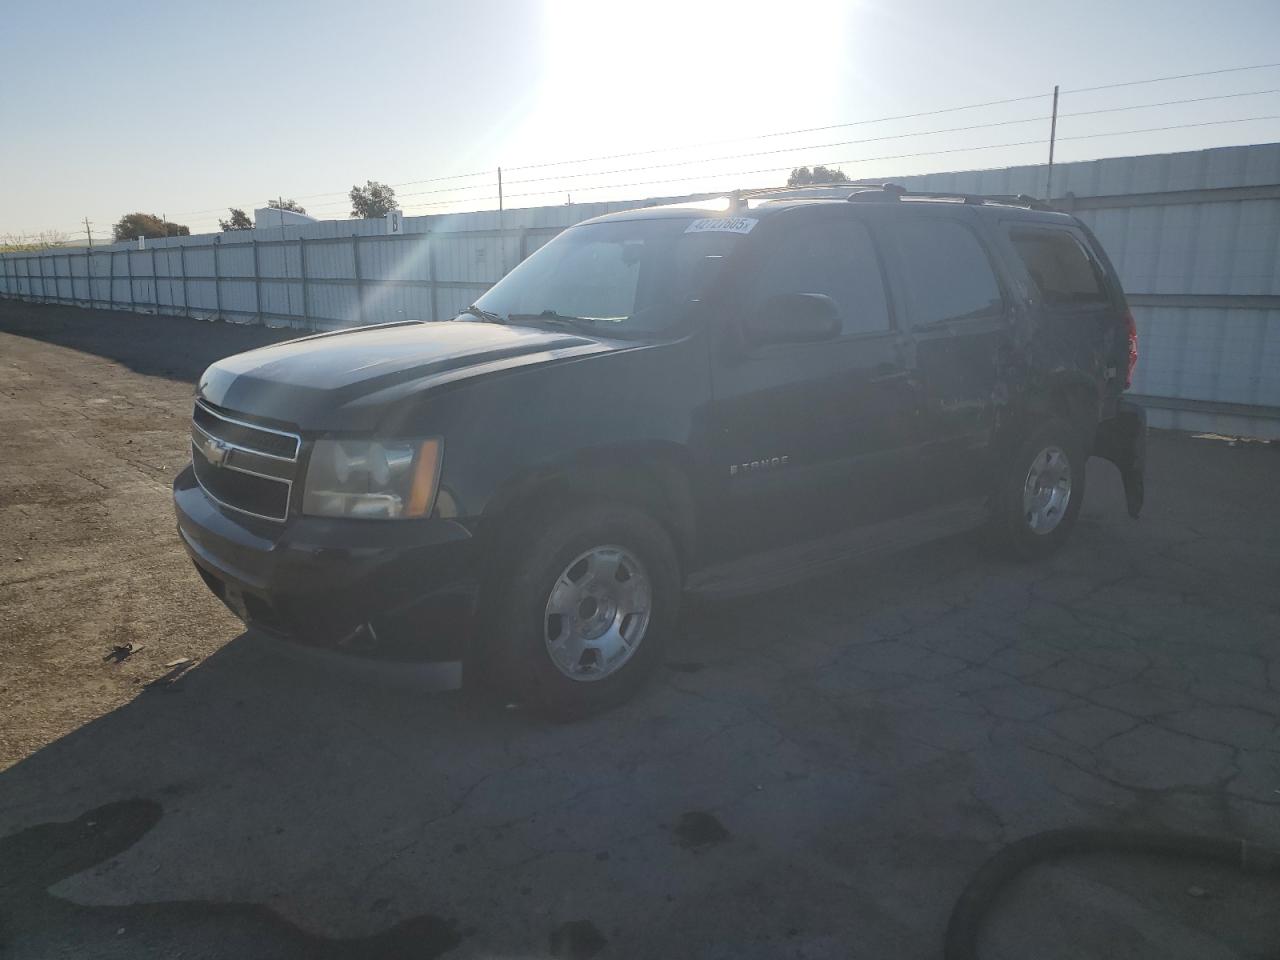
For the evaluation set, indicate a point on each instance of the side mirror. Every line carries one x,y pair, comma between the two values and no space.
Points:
795,318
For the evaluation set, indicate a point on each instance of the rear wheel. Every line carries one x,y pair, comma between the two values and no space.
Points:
585,609
1040,492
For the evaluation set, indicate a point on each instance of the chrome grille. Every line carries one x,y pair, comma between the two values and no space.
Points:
244,466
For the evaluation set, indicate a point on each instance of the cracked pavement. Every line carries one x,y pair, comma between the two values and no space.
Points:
865,740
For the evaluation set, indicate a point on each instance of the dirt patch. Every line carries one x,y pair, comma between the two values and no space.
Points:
94,414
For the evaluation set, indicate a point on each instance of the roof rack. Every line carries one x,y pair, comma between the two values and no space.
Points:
895,191
813,191
863,192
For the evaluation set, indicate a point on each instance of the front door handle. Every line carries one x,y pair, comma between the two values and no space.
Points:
886,373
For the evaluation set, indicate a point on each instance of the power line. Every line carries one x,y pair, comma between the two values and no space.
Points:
1179,76
899,156
856,160
894,136
796,149
783,133
905,116
926,113
842,143
707,143
406,183
834,126
710,143
905,156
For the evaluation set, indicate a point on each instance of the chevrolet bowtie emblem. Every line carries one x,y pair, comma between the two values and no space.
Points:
215,451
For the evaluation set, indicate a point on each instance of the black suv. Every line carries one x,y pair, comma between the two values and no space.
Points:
694,396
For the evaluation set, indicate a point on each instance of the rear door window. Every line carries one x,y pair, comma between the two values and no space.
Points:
947,272
1060,266
833,257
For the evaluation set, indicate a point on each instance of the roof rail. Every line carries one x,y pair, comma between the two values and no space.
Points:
876,191
862,192
833,189
895,191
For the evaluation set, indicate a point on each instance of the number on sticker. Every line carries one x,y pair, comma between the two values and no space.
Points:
722,225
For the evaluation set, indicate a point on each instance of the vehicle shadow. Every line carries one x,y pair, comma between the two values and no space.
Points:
153,345
186,816
262,806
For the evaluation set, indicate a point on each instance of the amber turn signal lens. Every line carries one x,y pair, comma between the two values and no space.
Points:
426,475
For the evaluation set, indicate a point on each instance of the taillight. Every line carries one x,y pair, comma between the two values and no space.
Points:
1132,329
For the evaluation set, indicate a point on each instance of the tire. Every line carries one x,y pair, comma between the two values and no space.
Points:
548,603
1033,516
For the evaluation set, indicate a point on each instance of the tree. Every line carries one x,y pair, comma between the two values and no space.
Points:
803,176
44,240
291,205
135,225
239,221
372,200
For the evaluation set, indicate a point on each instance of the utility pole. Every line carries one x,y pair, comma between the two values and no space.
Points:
88,230
502,236
1053,136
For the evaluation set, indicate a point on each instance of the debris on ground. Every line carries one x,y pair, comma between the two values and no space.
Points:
122,651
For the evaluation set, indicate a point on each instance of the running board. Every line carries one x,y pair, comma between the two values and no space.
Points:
772,569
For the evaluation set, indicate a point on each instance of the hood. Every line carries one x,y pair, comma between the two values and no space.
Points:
344,380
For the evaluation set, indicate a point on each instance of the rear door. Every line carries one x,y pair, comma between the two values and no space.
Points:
1080,311
811,437
959,317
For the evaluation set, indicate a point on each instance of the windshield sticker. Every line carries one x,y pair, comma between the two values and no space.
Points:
722,225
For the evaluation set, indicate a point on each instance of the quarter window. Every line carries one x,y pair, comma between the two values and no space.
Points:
948,274
1060,266
835,258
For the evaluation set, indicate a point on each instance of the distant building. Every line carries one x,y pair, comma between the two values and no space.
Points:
271,217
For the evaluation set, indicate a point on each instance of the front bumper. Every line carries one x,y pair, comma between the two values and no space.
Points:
397,590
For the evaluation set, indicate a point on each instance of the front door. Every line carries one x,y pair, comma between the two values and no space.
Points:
810,437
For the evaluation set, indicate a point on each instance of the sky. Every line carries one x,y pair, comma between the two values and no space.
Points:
187,108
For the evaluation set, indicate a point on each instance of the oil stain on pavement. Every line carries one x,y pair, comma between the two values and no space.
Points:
576,940
698,829
35,859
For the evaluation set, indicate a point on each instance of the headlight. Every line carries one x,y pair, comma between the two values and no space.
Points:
372,478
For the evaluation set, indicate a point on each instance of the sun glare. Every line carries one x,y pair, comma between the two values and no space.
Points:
665,74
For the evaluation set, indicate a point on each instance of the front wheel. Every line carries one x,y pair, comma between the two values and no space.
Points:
586,607
1040,491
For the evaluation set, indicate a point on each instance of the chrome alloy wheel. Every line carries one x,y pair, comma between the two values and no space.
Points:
597,613
1047,490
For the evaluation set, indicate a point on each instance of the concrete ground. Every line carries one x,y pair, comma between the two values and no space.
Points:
816,773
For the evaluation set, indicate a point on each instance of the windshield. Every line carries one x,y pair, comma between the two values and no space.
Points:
628,278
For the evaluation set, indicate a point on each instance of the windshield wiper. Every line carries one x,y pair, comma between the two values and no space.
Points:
550,316
480,313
